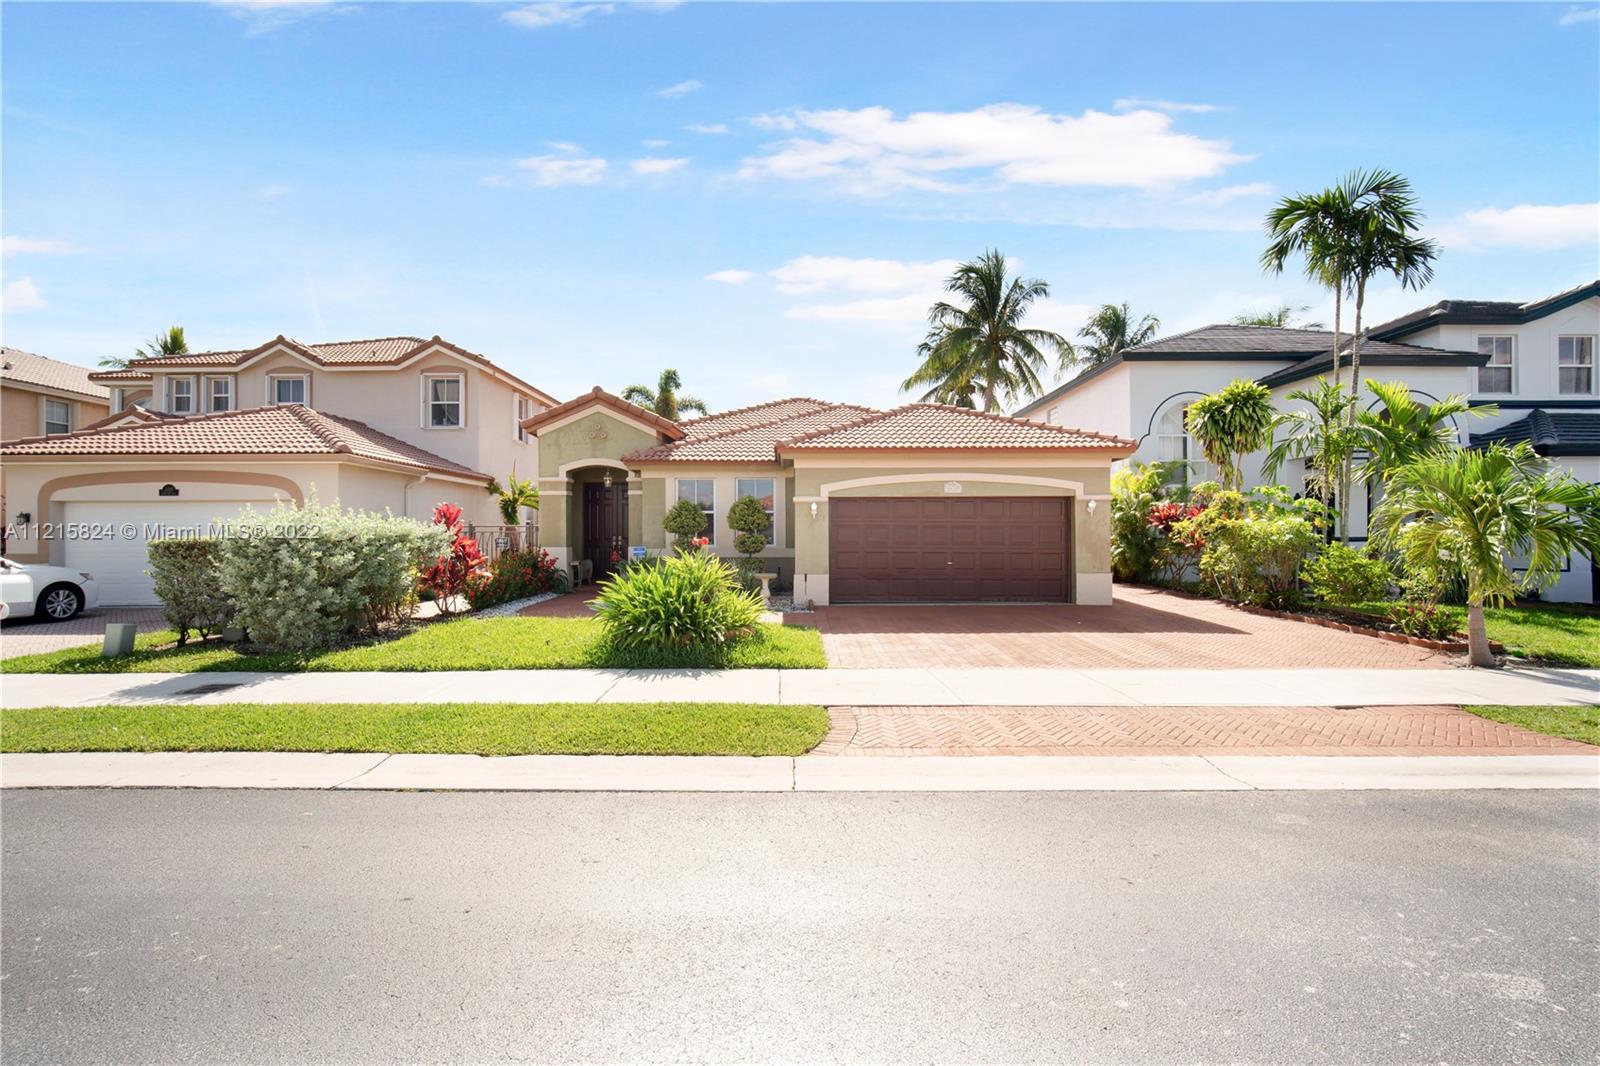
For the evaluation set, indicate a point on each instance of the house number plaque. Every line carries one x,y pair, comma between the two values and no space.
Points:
952,486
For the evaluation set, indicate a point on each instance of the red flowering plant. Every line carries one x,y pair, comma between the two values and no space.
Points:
516,575
1182,540
452,574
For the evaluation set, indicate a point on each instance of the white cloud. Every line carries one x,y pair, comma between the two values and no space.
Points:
773,122
1531,226
682,88
542,15
871,152
653,166
562,146
265,16
814,273
1576,15
1139,103
15,245
21,294
654,142
731,277
706,127
547,170
1229,193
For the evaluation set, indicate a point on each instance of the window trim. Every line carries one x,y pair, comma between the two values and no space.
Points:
272,389
461,398
518,402
772,515
1512,366
1196,467
194,388
709,510
1593,364
211,379
44,416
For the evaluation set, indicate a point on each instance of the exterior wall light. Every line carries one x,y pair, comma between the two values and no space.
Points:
1092,504
813,508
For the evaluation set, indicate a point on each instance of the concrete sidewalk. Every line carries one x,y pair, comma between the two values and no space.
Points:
859,688
810,773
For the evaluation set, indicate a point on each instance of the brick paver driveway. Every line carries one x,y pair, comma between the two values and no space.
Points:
1144,628
25,637
1179,731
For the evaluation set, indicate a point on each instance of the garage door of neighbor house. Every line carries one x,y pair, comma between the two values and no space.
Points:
119,562
949,549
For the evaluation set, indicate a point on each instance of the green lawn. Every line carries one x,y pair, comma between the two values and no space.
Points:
1573,723
472,728
463,644
1548,633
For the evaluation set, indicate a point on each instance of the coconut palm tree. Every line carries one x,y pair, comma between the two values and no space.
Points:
1281,317
664,399
1230,424
1470,512
1108,331
169,343
1318,433
1401,430
978,347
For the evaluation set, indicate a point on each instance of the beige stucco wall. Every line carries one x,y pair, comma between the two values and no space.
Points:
22,411
582,448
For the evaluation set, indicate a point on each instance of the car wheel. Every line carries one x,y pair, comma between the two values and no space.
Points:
60,603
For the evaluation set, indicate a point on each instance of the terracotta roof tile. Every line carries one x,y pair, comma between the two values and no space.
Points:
936,427
754,443
754,415
290,429
24,368
598,397
119,374
138,414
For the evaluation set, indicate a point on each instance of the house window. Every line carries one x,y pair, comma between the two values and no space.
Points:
704,493
1050,415
522,409
57,417
761,489
1499,374
219,394
1575,365
287,388
441,401
180,396
1175,445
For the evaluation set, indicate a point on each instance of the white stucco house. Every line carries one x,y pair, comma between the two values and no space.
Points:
1534,361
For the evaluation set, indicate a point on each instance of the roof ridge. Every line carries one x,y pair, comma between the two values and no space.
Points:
730,431
875,416
755,407
103,431
317,423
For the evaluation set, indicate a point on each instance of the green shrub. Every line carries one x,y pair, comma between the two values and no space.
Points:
685,521
1253,545
187,579
1342,576
685,602
748,520
1425,618
1135,544
305,577
515,575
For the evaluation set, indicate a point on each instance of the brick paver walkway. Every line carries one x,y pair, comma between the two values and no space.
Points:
27,637
1178,731
572,605
1143,628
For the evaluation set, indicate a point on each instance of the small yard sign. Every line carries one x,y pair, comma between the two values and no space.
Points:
637,551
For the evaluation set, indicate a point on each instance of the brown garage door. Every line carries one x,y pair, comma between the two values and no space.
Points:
948,550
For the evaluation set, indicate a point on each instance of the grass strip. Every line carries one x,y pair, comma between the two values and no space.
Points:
1572,723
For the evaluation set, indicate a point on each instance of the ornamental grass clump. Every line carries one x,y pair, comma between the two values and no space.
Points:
688,602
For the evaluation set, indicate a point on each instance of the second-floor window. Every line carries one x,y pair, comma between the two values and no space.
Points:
441,401
287,388
523,409
57,417
180,396
761,489
1499,375
1575,365
703,491
219,394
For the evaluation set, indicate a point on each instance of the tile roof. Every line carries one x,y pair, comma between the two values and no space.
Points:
1483,312
120,374
742,440
745,417
24,368
598,397
937,427
290,429
138,414
1550,432
1223,340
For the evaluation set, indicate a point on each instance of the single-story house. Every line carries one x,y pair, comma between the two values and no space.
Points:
922,503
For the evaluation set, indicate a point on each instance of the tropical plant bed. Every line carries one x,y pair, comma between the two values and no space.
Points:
464,643
413,728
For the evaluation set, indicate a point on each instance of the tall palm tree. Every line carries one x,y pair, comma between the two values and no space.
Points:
171,342
1108,331
1281,317
664,399
980,348
1317,433
1315,227
1470,512
1400,430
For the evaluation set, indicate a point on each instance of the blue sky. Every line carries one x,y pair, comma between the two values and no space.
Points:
764,196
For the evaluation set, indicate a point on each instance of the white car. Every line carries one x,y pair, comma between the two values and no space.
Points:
54,593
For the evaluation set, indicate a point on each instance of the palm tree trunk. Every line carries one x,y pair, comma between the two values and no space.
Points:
1478,652
1355,391
1343,516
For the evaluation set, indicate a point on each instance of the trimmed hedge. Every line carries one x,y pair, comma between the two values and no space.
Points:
188,579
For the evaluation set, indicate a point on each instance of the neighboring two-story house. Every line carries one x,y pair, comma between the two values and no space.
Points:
40,396
1535,361
396,423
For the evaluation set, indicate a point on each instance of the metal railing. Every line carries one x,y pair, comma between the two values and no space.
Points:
493,540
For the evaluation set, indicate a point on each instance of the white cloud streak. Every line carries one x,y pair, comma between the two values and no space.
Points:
1534,227
1139,103
731,277
706,127
682,88
266,16
21,294
552,170
13,244
653,166
544,15
1578,15
814,273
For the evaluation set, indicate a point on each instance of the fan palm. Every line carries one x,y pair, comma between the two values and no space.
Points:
1470,512
1280,317
1318,433
664,399
1108,331
980,348
171,342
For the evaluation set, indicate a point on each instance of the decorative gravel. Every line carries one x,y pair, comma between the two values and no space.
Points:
786,605
504,609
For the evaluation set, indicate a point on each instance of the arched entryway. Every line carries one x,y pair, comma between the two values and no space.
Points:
600,517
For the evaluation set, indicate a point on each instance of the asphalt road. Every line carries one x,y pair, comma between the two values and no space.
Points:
1287,927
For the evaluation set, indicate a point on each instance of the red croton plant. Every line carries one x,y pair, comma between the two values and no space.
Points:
452,573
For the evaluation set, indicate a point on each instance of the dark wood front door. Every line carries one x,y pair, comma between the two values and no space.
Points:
605,526
949,550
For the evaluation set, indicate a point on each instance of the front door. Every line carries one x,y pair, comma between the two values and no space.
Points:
605,526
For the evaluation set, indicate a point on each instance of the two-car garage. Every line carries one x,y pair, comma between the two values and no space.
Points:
110,539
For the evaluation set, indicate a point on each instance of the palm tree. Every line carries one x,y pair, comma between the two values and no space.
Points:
1402,430
1108,331
1280,317
1471,511
1314,226
169,343
981,348
1317,433
1230,424
664,399
516,494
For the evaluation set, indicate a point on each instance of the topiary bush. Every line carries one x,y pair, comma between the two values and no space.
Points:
306,577
188,581
1343,577
688,602
685,521
748,519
